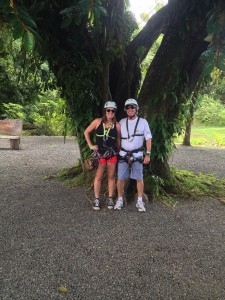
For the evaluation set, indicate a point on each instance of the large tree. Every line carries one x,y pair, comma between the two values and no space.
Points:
89,47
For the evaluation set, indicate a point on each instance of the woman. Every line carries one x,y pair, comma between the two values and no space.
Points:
107,131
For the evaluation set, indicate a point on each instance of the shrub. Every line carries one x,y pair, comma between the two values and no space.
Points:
48,113
210,112
13,111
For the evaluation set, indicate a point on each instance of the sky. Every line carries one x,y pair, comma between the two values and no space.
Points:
146,6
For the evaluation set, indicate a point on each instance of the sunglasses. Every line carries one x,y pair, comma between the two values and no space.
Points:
130,107
110,110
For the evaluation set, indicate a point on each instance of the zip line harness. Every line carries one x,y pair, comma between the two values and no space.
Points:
128,157
110,152
105,134
129,137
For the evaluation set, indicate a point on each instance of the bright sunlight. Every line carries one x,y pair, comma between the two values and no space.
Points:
144,6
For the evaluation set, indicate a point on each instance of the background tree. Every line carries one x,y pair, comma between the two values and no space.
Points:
20,78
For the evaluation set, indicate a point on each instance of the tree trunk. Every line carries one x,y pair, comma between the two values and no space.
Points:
187,134
164,90
125,74
195,76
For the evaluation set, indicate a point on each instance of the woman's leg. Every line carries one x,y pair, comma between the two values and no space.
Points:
111,168
98,179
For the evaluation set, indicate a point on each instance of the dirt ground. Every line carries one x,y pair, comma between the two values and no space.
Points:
50,236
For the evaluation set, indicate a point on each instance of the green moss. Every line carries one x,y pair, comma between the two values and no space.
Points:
185,185
198,185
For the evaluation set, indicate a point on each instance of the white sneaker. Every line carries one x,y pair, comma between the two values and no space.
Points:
141,206
110,203
96,204
119,204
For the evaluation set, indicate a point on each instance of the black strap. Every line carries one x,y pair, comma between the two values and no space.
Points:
133,151
135,128
127,159
110,152
140,134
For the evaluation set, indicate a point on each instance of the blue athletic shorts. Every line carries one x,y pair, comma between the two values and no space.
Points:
136,171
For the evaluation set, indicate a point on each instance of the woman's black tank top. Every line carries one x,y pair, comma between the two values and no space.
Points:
106,139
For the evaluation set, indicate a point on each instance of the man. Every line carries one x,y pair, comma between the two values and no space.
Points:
134,130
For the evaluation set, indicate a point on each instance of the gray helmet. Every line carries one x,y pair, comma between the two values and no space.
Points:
110,104
131,102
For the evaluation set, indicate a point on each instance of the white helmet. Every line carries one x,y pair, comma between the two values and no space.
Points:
110,104
131,102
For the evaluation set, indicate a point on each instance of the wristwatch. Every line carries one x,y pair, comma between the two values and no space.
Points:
148,153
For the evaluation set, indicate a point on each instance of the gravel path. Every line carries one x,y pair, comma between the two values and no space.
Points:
49,235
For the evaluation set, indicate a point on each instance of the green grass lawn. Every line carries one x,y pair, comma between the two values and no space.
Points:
206,136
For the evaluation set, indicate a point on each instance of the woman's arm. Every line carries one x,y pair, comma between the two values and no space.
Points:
94,124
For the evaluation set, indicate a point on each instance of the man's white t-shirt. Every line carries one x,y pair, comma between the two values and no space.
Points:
130,141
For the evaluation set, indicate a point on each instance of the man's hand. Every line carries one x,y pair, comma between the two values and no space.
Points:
146,160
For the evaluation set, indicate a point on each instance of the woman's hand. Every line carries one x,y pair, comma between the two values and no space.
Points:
94,147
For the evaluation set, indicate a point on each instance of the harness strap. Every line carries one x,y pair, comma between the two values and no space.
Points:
128,160
135,128
133,151
133,135
109,153
128,155
106,131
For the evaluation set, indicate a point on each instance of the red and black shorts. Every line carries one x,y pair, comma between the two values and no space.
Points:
108,159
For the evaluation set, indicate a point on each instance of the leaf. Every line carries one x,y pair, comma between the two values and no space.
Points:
18,30
62,289
209,38
66,22
28,41
26,18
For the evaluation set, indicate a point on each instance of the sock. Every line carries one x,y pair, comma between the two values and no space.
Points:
139,199
120,199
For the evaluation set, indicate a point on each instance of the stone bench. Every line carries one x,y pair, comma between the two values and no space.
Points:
11,129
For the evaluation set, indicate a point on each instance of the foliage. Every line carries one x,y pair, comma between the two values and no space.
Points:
24,88
217,85
214,57
210,112
74,176
205,136
47,113
80,44
196,186
13,111
187,185
153,185
22,75
15,15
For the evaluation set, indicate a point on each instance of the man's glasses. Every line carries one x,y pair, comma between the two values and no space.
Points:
130,107
111,110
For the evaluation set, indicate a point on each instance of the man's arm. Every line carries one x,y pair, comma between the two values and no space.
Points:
148,145
148,152
118,136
